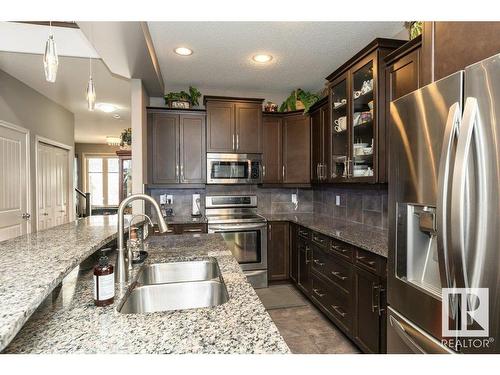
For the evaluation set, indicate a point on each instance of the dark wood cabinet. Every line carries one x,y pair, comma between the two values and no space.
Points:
234,124
176,147
272,150
220,127
278,259
320,141
369,328
286,151
358,115
192,149
451,46
346,283
296,149
163,147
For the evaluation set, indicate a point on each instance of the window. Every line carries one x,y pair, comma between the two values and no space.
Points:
102,180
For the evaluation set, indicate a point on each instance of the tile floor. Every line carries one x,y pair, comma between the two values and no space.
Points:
307,331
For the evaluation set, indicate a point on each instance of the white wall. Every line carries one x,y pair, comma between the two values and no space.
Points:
139,102
21,105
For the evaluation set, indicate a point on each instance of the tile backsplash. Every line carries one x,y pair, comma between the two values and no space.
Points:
269,200
356,204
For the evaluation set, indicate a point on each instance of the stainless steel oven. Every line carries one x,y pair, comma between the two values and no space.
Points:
234,168
244,231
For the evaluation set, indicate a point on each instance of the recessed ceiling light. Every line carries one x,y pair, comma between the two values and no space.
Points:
183,51
106,107
262,58
116,115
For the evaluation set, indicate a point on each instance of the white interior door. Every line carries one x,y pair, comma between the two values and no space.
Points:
52,186
14,189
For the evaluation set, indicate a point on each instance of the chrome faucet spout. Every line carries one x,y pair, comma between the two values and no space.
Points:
121,270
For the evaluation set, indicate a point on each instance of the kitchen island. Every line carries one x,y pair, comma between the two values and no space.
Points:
68,321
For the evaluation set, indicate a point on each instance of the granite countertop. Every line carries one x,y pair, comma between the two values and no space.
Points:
70,323
361,235
34,264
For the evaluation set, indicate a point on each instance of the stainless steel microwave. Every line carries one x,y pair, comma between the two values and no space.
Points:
234,168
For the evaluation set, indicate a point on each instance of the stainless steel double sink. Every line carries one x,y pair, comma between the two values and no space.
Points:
176,286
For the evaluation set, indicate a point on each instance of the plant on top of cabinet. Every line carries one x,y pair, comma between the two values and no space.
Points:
299,99
183,99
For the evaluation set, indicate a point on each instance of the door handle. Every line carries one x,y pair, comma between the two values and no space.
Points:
375,288
339,311
233,142
182,172
317,292
442,208
237,141
317,262
471,121
177,171
283,172
263,171
338,275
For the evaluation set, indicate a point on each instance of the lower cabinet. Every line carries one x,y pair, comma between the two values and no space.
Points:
277,250
370,311
346,283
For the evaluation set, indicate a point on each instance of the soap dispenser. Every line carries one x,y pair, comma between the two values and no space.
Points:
104,282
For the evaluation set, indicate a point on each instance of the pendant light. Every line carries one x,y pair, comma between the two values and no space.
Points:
50,59
91,96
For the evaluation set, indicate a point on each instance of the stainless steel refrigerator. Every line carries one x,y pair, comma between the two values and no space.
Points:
444,209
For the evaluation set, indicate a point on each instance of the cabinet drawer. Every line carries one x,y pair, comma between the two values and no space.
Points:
304,233
320,239
333,300
371,262
342,249
333,268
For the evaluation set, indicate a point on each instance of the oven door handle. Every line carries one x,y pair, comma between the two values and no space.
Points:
222,228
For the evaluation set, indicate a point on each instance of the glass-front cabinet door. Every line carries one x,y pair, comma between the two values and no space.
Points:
340,117
362,121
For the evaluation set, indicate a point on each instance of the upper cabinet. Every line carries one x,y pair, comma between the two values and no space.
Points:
357,151
234,124
176,147
286,151
320,141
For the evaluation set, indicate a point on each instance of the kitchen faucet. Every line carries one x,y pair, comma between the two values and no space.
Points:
121,271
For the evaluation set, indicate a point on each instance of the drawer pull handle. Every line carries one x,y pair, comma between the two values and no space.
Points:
317,292
338,275
362,260
320,240
339,311
316,261
338,248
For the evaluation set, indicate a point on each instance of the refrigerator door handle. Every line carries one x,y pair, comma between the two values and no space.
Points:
416,339
445,173
461,184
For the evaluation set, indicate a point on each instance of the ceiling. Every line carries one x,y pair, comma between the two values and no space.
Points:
72,76
304,53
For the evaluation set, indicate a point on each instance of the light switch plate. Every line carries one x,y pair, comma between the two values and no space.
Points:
337,200
294,199
163,199
170,199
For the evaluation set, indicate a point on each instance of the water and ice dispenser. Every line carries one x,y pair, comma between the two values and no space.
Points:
417,256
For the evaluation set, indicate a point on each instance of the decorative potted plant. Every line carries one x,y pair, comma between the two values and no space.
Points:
126,139
414,28
183,99
299,99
